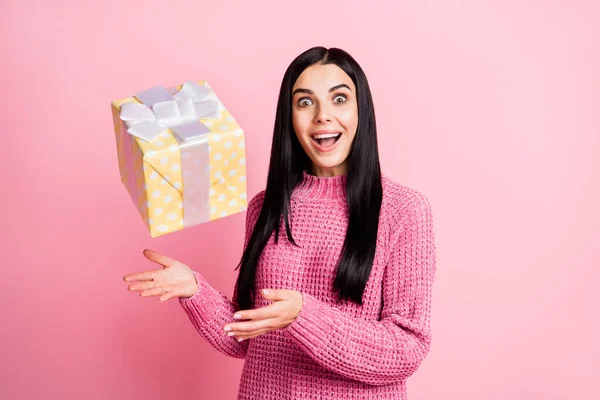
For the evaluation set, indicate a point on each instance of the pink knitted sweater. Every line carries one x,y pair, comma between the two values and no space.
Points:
333,350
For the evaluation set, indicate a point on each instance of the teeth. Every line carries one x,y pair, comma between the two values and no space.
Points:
326,135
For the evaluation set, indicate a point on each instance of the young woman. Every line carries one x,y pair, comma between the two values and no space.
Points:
333,295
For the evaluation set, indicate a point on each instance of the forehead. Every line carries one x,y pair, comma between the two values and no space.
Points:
321,77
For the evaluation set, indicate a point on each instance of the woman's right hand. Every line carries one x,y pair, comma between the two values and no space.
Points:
174,279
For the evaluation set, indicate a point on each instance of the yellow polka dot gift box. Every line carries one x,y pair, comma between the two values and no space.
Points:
181,156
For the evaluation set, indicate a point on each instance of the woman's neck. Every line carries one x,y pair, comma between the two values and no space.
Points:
323,172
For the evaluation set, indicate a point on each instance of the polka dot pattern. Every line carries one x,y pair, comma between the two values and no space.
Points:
158,186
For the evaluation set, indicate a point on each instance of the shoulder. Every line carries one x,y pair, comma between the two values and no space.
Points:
256,202
253,211
402,204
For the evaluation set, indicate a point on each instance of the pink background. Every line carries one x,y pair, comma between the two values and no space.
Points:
489,108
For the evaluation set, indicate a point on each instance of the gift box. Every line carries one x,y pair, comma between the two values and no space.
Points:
181,156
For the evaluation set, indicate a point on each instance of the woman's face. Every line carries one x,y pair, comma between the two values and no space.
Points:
325,117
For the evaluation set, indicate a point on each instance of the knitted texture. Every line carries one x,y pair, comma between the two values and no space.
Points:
333,349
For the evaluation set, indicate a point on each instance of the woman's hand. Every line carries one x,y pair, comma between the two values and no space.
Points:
283,311
174,279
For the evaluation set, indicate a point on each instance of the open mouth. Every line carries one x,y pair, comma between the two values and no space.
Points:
326,139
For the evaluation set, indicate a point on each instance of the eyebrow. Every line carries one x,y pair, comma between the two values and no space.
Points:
299,90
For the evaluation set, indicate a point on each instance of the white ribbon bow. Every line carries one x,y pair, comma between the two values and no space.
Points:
161,110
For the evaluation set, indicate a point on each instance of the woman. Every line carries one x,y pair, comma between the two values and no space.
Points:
347,255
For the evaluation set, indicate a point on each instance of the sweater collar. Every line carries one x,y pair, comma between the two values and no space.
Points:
313,187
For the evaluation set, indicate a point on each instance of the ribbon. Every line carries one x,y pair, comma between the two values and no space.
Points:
180,112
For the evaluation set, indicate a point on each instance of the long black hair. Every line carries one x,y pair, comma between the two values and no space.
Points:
287,163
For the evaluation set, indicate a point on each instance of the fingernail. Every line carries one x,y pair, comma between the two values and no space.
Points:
231,334
240,339
266,291
237,316
227,328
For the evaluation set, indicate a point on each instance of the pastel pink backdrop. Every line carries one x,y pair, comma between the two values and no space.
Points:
489,108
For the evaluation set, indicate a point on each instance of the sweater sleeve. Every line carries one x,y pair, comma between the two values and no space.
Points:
210,310
390,349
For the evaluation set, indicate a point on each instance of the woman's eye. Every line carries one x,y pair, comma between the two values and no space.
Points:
339,99
305,102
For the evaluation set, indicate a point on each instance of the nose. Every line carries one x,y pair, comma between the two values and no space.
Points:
323,114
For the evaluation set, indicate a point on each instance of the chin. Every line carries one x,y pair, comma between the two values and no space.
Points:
328,163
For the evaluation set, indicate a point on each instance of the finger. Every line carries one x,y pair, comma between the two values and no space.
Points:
155,291
143,286
251,335
275,294
141,276
247,328
169,294
158,258
269,311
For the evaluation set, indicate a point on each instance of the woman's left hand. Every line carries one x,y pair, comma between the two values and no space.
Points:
279,314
